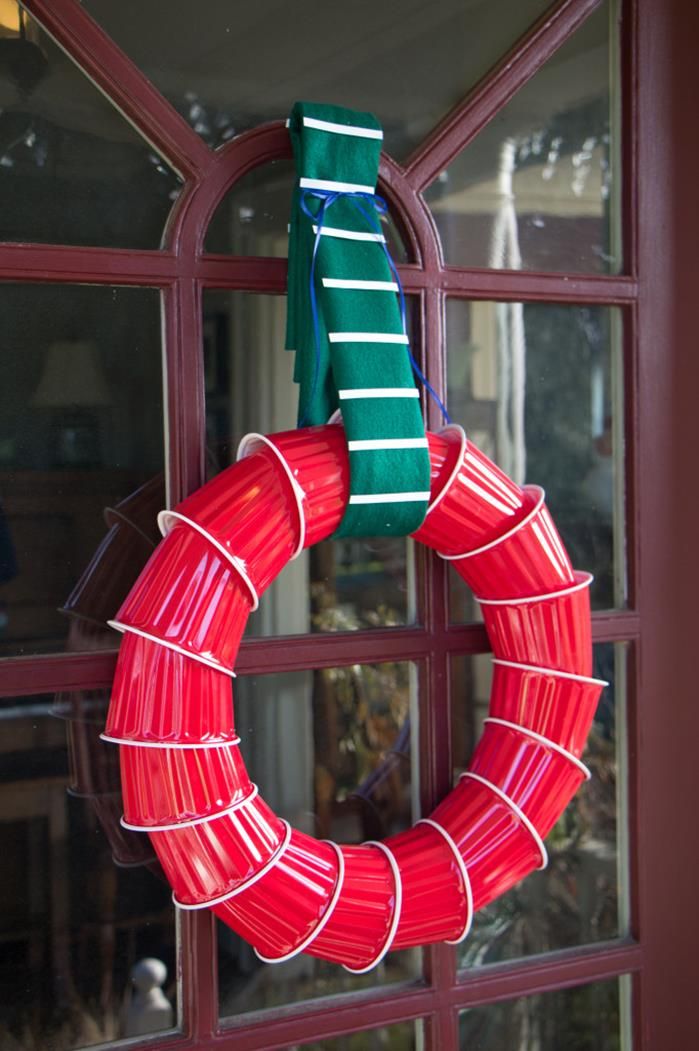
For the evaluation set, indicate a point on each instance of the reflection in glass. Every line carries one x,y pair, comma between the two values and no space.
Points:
331,752
537,387
404,1037
252,218
336,585
73,168
81,904
538,187
578,1019
219,77
81,458
581,897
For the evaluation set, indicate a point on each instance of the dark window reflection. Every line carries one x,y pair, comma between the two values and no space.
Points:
83,912
331,752
537,387
74,169
81,459
578,1019
222,81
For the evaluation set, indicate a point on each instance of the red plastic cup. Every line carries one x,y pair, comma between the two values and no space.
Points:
206,860
160,696
539,777
478,503
528,559
360,929
189,598
552,630
558,705
435,906
250,512
285,910
140,509
317,461
112,570
497,847
168,785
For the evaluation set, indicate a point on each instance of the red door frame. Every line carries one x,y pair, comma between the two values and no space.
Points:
661,166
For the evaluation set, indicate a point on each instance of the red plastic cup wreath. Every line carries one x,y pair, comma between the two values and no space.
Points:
183,775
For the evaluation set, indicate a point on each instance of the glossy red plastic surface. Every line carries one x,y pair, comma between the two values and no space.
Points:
165,785
190,596
161,695
553,631
212,858
368,891
498,850
480,503
279,912
559,707
318,460
250,510
538,779
526,560
434,902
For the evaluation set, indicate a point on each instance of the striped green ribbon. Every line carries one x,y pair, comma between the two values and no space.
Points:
351,348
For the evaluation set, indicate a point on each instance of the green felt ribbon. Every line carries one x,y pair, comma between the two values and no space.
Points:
350,344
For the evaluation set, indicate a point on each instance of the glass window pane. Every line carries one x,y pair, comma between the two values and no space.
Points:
72,169
331,753
81,901
234,69
81,459
538,388
538,187
581,897
578,1019
404,1037
336,585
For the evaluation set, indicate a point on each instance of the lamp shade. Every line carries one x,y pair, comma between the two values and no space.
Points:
72,375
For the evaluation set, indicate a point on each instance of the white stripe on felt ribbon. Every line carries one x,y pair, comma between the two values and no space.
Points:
335,187
342,129
387,498
367,337
360,285
349,235
360,444
350,394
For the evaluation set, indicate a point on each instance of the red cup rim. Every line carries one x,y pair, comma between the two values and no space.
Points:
247,445
515,810
130,742
542,740
510,532
246,884
465,878
550,671
165,525
191,822
397,909
121,627
583,580
339,882
451,428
